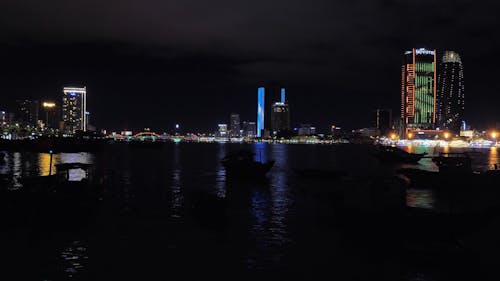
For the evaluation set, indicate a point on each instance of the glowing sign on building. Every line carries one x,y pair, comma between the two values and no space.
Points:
260,110
418,90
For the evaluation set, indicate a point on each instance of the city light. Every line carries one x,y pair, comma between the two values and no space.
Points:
410,135
446,135
49,104
494,135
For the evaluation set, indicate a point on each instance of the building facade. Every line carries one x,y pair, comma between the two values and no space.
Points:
74,108
280,117
50,114
451,99
27,112
235,125
249,129
222,130
382,121
418,90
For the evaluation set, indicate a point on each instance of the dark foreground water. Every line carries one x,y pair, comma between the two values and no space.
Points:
171,214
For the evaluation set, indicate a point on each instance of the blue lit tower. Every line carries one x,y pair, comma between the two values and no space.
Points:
261,95
282,95
451,104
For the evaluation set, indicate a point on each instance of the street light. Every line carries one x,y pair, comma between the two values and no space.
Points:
494,135
446,135
410,135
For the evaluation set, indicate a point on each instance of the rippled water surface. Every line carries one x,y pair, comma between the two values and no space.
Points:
172,212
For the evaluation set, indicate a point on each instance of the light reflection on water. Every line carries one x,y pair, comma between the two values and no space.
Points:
420,198
176,187
74,258
26,164
220,174
268,207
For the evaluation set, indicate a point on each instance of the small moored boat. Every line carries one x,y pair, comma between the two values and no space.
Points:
391,154
242,163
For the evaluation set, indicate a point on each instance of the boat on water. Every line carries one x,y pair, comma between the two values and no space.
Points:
242,164
454,171
66,198
392,154
453,162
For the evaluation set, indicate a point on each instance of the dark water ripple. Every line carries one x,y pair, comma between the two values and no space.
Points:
283,227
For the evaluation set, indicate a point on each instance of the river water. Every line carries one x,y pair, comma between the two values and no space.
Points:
285,227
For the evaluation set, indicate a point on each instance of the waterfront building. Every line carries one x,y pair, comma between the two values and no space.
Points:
306,130
280,117
74,109
451,100
50,113
235,125
27,112
418,90
222,130
382,121
335,131
249,129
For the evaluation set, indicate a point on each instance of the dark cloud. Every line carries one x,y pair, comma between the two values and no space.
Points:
196,61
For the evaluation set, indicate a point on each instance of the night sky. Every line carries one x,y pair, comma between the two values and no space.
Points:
193,62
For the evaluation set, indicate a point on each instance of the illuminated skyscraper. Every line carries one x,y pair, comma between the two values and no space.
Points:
418,90
235,125
74,108
50,114
451,106
261,96
280,117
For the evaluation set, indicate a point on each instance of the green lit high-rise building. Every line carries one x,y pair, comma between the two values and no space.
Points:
418,90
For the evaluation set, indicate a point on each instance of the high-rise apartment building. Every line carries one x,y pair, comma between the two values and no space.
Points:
235,125
382,120
27,112
74,108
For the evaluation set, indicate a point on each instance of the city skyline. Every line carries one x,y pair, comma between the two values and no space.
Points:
338,63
